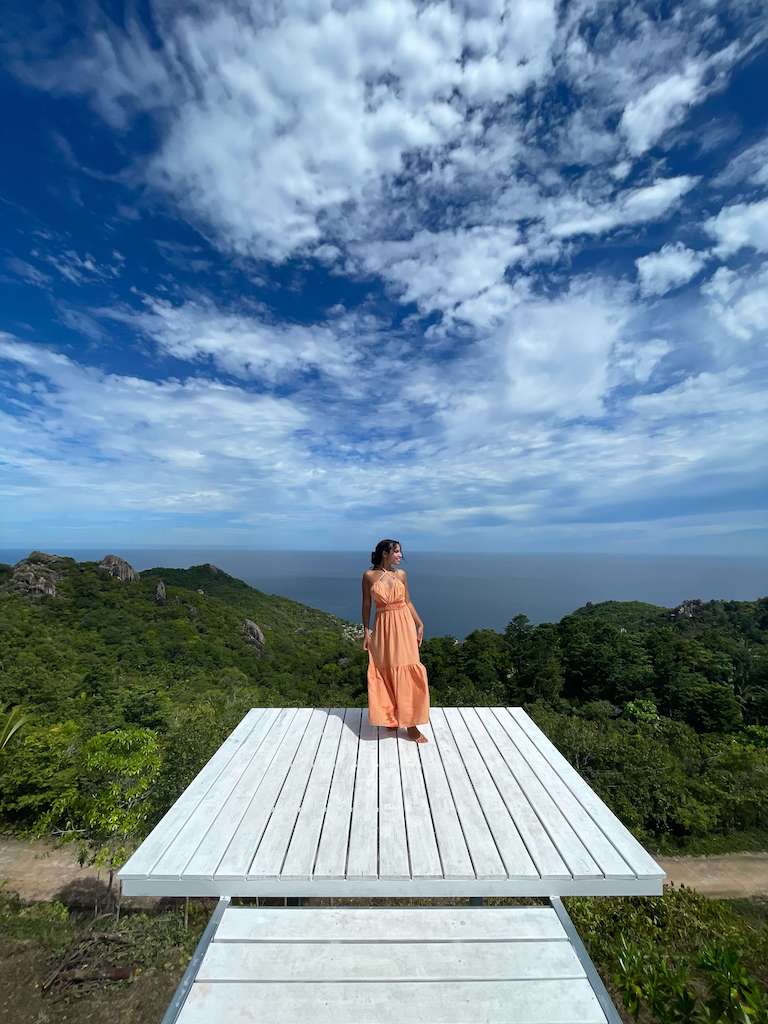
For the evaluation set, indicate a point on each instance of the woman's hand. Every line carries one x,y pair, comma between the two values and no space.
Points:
366,638
420,633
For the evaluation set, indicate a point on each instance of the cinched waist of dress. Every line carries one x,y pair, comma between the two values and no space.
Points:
390,607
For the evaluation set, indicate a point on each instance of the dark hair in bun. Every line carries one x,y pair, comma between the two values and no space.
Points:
382,547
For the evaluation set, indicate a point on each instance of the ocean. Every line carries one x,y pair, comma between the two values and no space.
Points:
458,593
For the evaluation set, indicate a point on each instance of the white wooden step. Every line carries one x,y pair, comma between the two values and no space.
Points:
430,965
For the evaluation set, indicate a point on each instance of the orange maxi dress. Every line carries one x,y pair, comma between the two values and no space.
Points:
398,691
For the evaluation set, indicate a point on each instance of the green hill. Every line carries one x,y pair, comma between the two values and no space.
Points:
106,650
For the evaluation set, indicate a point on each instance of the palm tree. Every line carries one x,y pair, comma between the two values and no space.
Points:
10,723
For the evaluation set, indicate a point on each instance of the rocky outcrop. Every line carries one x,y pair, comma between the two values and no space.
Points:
37,575
119,568
687,610
160,592
214,570
43,558
253,635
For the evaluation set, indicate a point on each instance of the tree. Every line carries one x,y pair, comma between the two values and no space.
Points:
642,710
40,776
109,808
709,707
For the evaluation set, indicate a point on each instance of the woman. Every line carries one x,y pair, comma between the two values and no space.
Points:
398,692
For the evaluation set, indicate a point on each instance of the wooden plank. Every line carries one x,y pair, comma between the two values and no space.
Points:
452,847
567,1001
486,861
363,859
638,859
543,851
163,834
268,859
300,858
183,848
422,844
397,924
393,846
207,857
552,823
571,849
603,852
375,888
239,854
511,847
389,961
334,838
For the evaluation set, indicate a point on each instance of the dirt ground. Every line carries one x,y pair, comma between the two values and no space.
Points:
40,871
728,876
142,1001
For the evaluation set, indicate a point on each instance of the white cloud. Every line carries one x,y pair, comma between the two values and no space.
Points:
740,226
550,359
671,266
637,362
740,301
273,122
665,104
28,273
147,435
248,346
558,353
704,396
750,165
636,206
447,269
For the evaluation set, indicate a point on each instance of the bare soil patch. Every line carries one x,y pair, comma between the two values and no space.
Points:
728,876
23,968
39,870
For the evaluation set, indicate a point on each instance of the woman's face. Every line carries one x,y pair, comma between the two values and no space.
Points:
395,555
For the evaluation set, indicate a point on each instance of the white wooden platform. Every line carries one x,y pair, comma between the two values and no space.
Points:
316,802
371,966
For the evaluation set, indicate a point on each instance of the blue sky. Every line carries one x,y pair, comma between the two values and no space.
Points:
481,275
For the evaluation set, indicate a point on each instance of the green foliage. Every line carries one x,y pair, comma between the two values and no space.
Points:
148,940
10,723
43,768
47,924
161,939
105,806
641,710
678,958
667,783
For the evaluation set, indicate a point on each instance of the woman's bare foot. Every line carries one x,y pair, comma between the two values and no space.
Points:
414,734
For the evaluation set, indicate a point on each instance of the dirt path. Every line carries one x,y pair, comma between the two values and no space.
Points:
729,875
38,871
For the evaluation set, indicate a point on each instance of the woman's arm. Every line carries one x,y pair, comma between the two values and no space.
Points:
366,607
414,613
